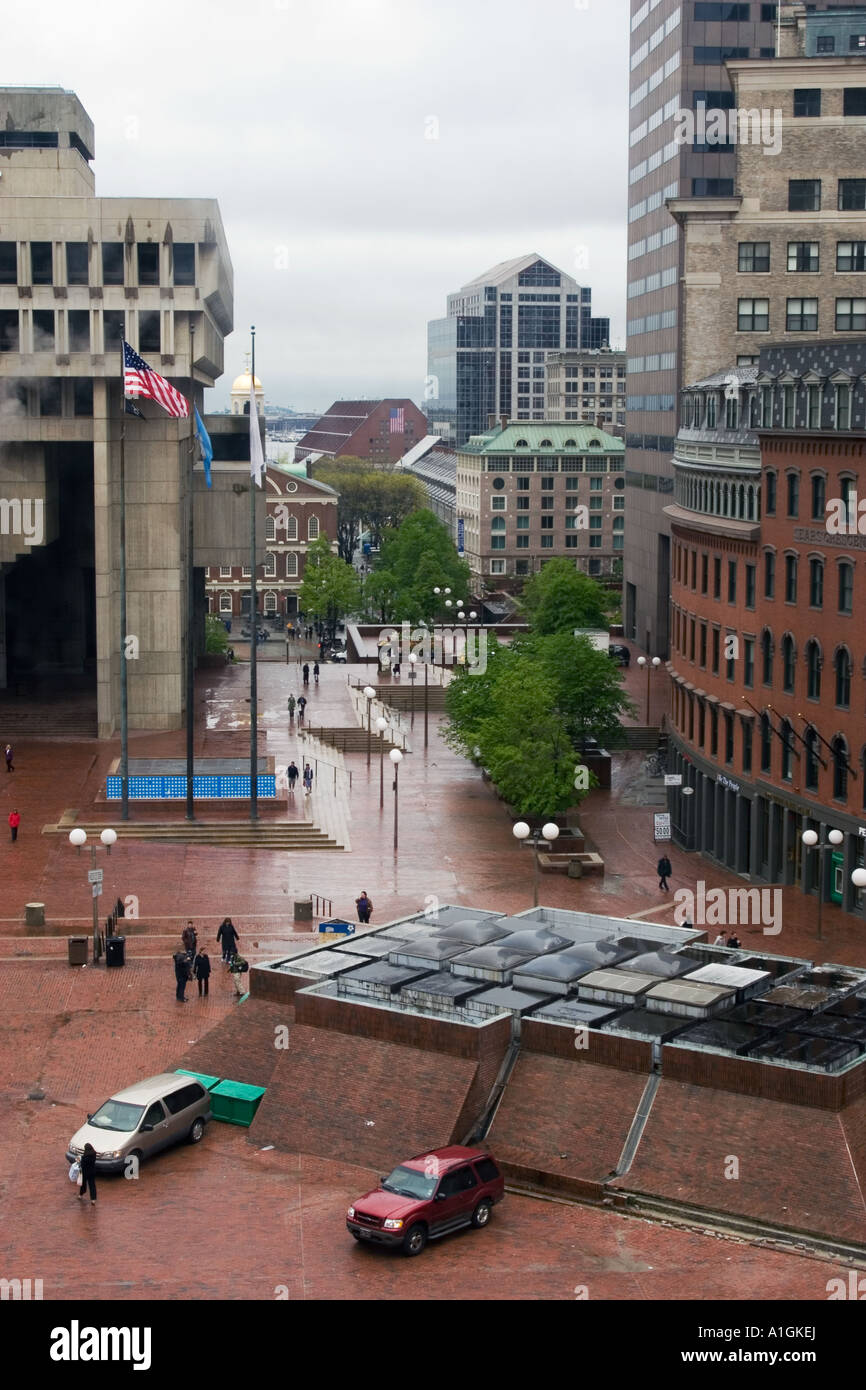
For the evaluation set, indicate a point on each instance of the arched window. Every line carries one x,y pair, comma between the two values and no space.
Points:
225,603
770,487
848,493
810,738
767,656
291,565
497,523
814,663
766,744
688,411
711,411
788,663
270,529
270,602
816,583
313,528
546,444
840,768
270,569
291,527
846,587
787,750
790,579
842,665
522,444
819,496
570,444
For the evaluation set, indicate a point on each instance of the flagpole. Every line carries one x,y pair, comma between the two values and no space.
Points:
124,702
254,714
190,591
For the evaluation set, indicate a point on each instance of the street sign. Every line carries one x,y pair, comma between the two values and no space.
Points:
662,826
94,875
97,890
673,779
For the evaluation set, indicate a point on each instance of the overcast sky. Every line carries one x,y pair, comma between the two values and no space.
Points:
310,122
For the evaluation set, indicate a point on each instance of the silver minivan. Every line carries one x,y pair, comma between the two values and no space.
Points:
142,1119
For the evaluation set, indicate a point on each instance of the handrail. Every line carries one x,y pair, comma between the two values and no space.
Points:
322,907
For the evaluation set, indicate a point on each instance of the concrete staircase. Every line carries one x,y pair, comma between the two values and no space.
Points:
285,835
348,740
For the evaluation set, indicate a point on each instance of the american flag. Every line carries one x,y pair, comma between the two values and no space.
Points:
141,380
396,421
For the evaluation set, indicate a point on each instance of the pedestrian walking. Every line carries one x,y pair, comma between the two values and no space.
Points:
721,939
201,971
181,975
189,938
302,705
229,938
9,767
316,671
396,669
87,1181
292,702
292,774
664,870
14,822
238,968
306,673
308,779
364,906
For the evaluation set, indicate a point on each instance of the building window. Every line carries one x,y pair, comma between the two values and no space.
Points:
804,256
732,581
713,188
41,265
497,566
711,412
43,330
770,493
270,528
790,579
76,263
225,571
714,732
717,577
843,407
732,412
786,735
749,662
225,603
766,744
753,316
112,263
149,331
270,601
497,504
767,657
788,664
851,256
813,670
769,574
810,739
715,654
788,407
852,195
729,737
819,496
291,565
183,262
148,263
705,568
750,586
813,407
850,315
802,316
816,583
846,587
804,195
497,542
840,768
313,528
113,329
842,665
826,43
79,330
747,745
793,494
753,257
8,263
807,101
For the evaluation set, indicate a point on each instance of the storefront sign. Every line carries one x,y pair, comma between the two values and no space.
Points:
661,825
673,779
726,782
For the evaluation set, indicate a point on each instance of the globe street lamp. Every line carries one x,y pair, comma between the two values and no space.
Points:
413,662
687,792
381,726
396,758
78,838
370,695
650,665
810,840
548,833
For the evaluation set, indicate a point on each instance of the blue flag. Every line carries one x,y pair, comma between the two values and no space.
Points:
205,445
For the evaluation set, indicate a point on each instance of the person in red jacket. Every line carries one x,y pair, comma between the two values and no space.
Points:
14,822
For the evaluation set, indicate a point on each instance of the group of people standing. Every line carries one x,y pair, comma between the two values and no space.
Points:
192,962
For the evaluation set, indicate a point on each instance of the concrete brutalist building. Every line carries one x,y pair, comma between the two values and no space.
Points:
77,273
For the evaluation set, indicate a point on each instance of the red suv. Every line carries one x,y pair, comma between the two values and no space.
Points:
427,1197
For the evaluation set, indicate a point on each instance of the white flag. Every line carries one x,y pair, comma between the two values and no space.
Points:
257,460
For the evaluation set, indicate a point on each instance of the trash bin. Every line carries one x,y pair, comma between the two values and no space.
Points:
78,950
115,950
34,914
235,1103
337,926
303,909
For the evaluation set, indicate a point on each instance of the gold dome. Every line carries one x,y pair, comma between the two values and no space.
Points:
242,384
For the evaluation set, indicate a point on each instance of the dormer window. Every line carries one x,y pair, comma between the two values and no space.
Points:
711,412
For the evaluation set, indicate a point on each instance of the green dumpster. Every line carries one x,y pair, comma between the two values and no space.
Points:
235,1103
207,1081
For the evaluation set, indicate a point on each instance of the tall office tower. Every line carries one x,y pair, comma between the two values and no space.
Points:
487,357
77,274
678,56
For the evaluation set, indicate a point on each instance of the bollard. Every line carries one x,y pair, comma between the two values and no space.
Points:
34,914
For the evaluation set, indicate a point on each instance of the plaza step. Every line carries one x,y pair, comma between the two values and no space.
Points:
348,740
405,696
297,835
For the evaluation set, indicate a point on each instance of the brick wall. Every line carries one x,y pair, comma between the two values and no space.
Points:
242,1046
754,1078
628,1054
410,1030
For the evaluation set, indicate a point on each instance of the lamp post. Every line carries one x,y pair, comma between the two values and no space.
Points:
687,792
370,695
548,832
396,758
810,840
650,666
381,725
413,662
78,838
447,602
858,878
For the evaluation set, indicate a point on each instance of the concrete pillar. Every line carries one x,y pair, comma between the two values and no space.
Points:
105,574
772,841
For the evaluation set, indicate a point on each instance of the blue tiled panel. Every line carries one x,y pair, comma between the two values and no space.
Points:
229,788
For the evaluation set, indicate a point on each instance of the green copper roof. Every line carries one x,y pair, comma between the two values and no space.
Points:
566,437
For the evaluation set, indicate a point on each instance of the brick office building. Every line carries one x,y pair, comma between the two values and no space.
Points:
768,654
381,431
519,510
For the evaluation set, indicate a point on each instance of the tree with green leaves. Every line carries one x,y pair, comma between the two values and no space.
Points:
389,499
418,557
561,598
331,589
216,637
588,691
371,495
